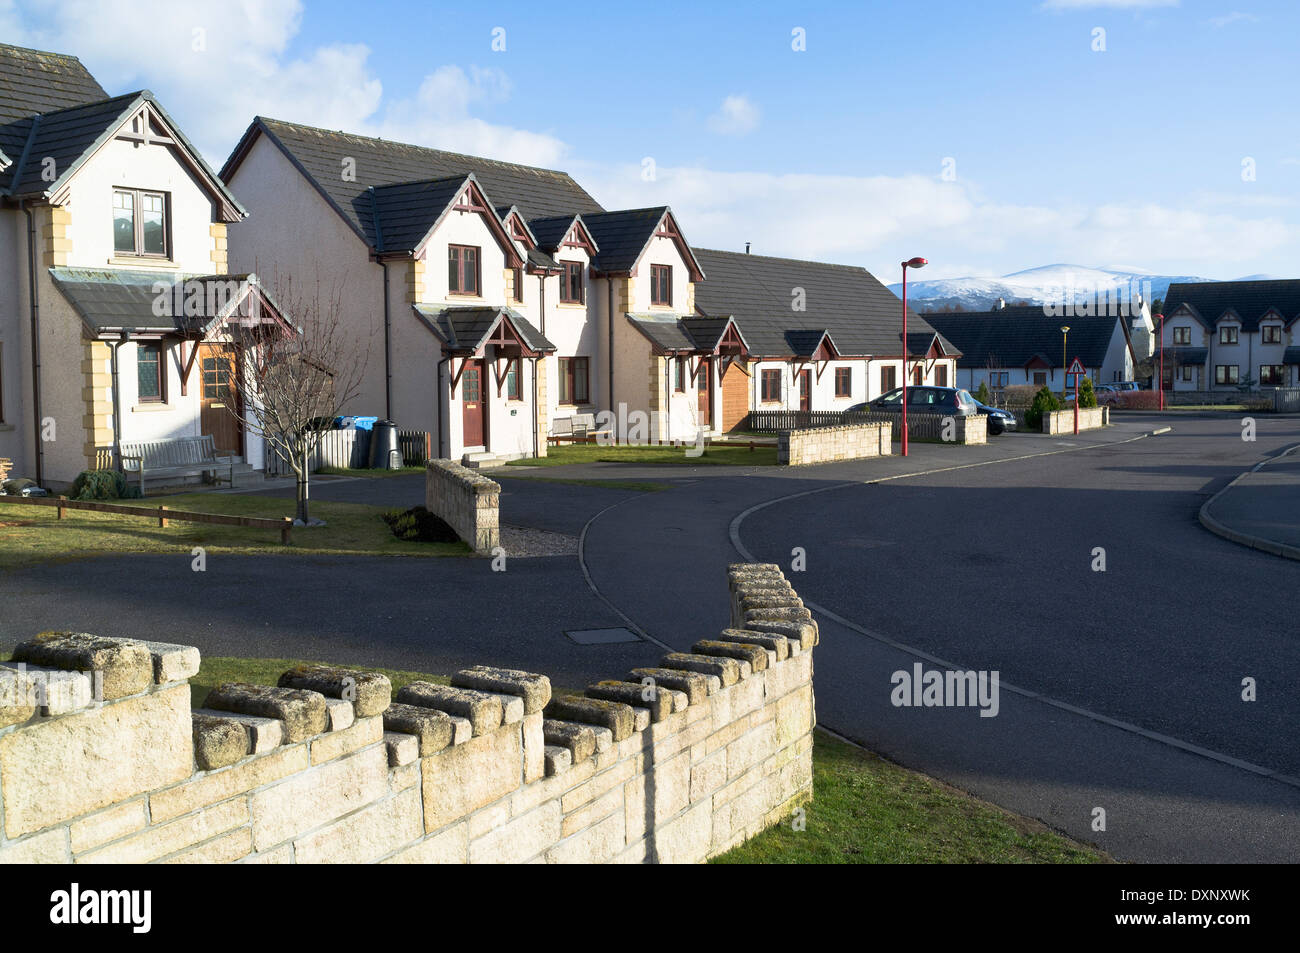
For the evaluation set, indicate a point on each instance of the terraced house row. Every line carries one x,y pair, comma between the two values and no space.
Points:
495,301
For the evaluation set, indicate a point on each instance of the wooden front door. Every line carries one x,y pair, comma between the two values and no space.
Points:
705,384
473,400
805,390
219,404
735,395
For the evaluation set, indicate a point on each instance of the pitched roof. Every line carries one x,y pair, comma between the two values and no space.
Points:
1013,336
1250,300
399,216
622,235
468,328
33,82
862,316
1291,355
119,299
1187,355
321,154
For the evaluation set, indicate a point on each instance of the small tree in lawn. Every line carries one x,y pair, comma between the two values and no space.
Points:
982,395
292,382
1087,396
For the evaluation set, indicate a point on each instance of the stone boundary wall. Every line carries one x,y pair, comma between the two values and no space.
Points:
1062,421
826,444
971,429
466,501
103,761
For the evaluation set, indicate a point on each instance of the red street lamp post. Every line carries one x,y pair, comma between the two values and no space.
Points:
1162,360
910,263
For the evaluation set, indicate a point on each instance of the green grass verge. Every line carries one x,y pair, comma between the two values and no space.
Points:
559,456
867,810
31,535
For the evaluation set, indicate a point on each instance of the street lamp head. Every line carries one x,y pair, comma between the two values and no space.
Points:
1065,328
915,263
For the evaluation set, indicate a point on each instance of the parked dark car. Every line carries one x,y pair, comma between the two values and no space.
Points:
922,400
1000,421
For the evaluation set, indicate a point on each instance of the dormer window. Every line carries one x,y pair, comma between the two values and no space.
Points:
463,270
1272,333
571,291
1228,334
140,224
1182,335
661,284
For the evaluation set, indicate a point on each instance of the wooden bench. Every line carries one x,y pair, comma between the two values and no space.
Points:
181,456
579,428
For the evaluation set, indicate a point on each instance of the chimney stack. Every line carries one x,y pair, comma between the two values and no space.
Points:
1002,303
746,248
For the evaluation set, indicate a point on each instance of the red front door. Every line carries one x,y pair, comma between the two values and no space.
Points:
805,390
473,404
705,404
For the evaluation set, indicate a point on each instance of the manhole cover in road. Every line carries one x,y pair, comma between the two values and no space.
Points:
602,636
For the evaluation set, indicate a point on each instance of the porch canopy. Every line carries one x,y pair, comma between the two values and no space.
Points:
695,334
121,304
466,333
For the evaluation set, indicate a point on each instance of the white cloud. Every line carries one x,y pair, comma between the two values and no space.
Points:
737,116
215,64
1236,16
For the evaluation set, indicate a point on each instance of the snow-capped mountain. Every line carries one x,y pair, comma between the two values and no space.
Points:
1059,283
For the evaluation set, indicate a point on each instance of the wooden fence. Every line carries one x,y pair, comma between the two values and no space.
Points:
160,513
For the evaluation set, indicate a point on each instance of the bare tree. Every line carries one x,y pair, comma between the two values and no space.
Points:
294,379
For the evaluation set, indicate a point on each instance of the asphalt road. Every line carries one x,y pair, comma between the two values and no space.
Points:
1121,690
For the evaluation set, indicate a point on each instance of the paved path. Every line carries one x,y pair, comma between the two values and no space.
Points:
1261,508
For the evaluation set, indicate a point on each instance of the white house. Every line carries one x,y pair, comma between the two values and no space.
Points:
1230,334
109,218
1023,345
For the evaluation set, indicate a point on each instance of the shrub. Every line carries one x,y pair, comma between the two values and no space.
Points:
419,525
1087,396
1044,401
982,395
1140,400
103,485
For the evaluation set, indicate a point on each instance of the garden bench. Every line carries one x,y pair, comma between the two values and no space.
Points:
180,456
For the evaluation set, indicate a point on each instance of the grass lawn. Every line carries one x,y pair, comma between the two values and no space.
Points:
32,535
867,810
558,456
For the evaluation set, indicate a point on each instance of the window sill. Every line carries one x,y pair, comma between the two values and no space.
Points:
141,261
575,305
7,428
151,408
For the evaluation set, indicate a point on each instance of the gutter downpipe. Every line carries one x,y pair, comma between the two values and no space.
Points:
539,367
388,354
442,400
609,287
34,302
117,403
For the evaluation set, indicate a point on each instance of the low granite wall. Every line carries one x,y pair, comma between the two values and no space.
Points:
826,444
102,760
466,501
1062,421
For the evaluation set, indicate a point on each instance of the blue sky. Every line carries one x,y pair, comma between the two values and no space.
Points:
1130,156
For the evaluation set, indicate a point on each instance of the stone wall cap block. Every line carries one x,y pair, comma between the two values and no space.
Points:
483,710
403,749
755,655
172,662
17,697
125,664
265,734
695,686
369,692
726,670
580,739
616,716
303,712
659,704
535,690
558,760
802,632
433,728
776,643
218,741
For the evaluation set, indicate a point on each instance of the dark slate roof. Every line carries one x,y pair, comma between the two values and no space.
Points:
1013,336
862,316
1251,300
397,217
117,299
1186,355
804,341
622,235
550,231
32,82
319,153
539,259
1291,355
707,331
465,329
666,332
